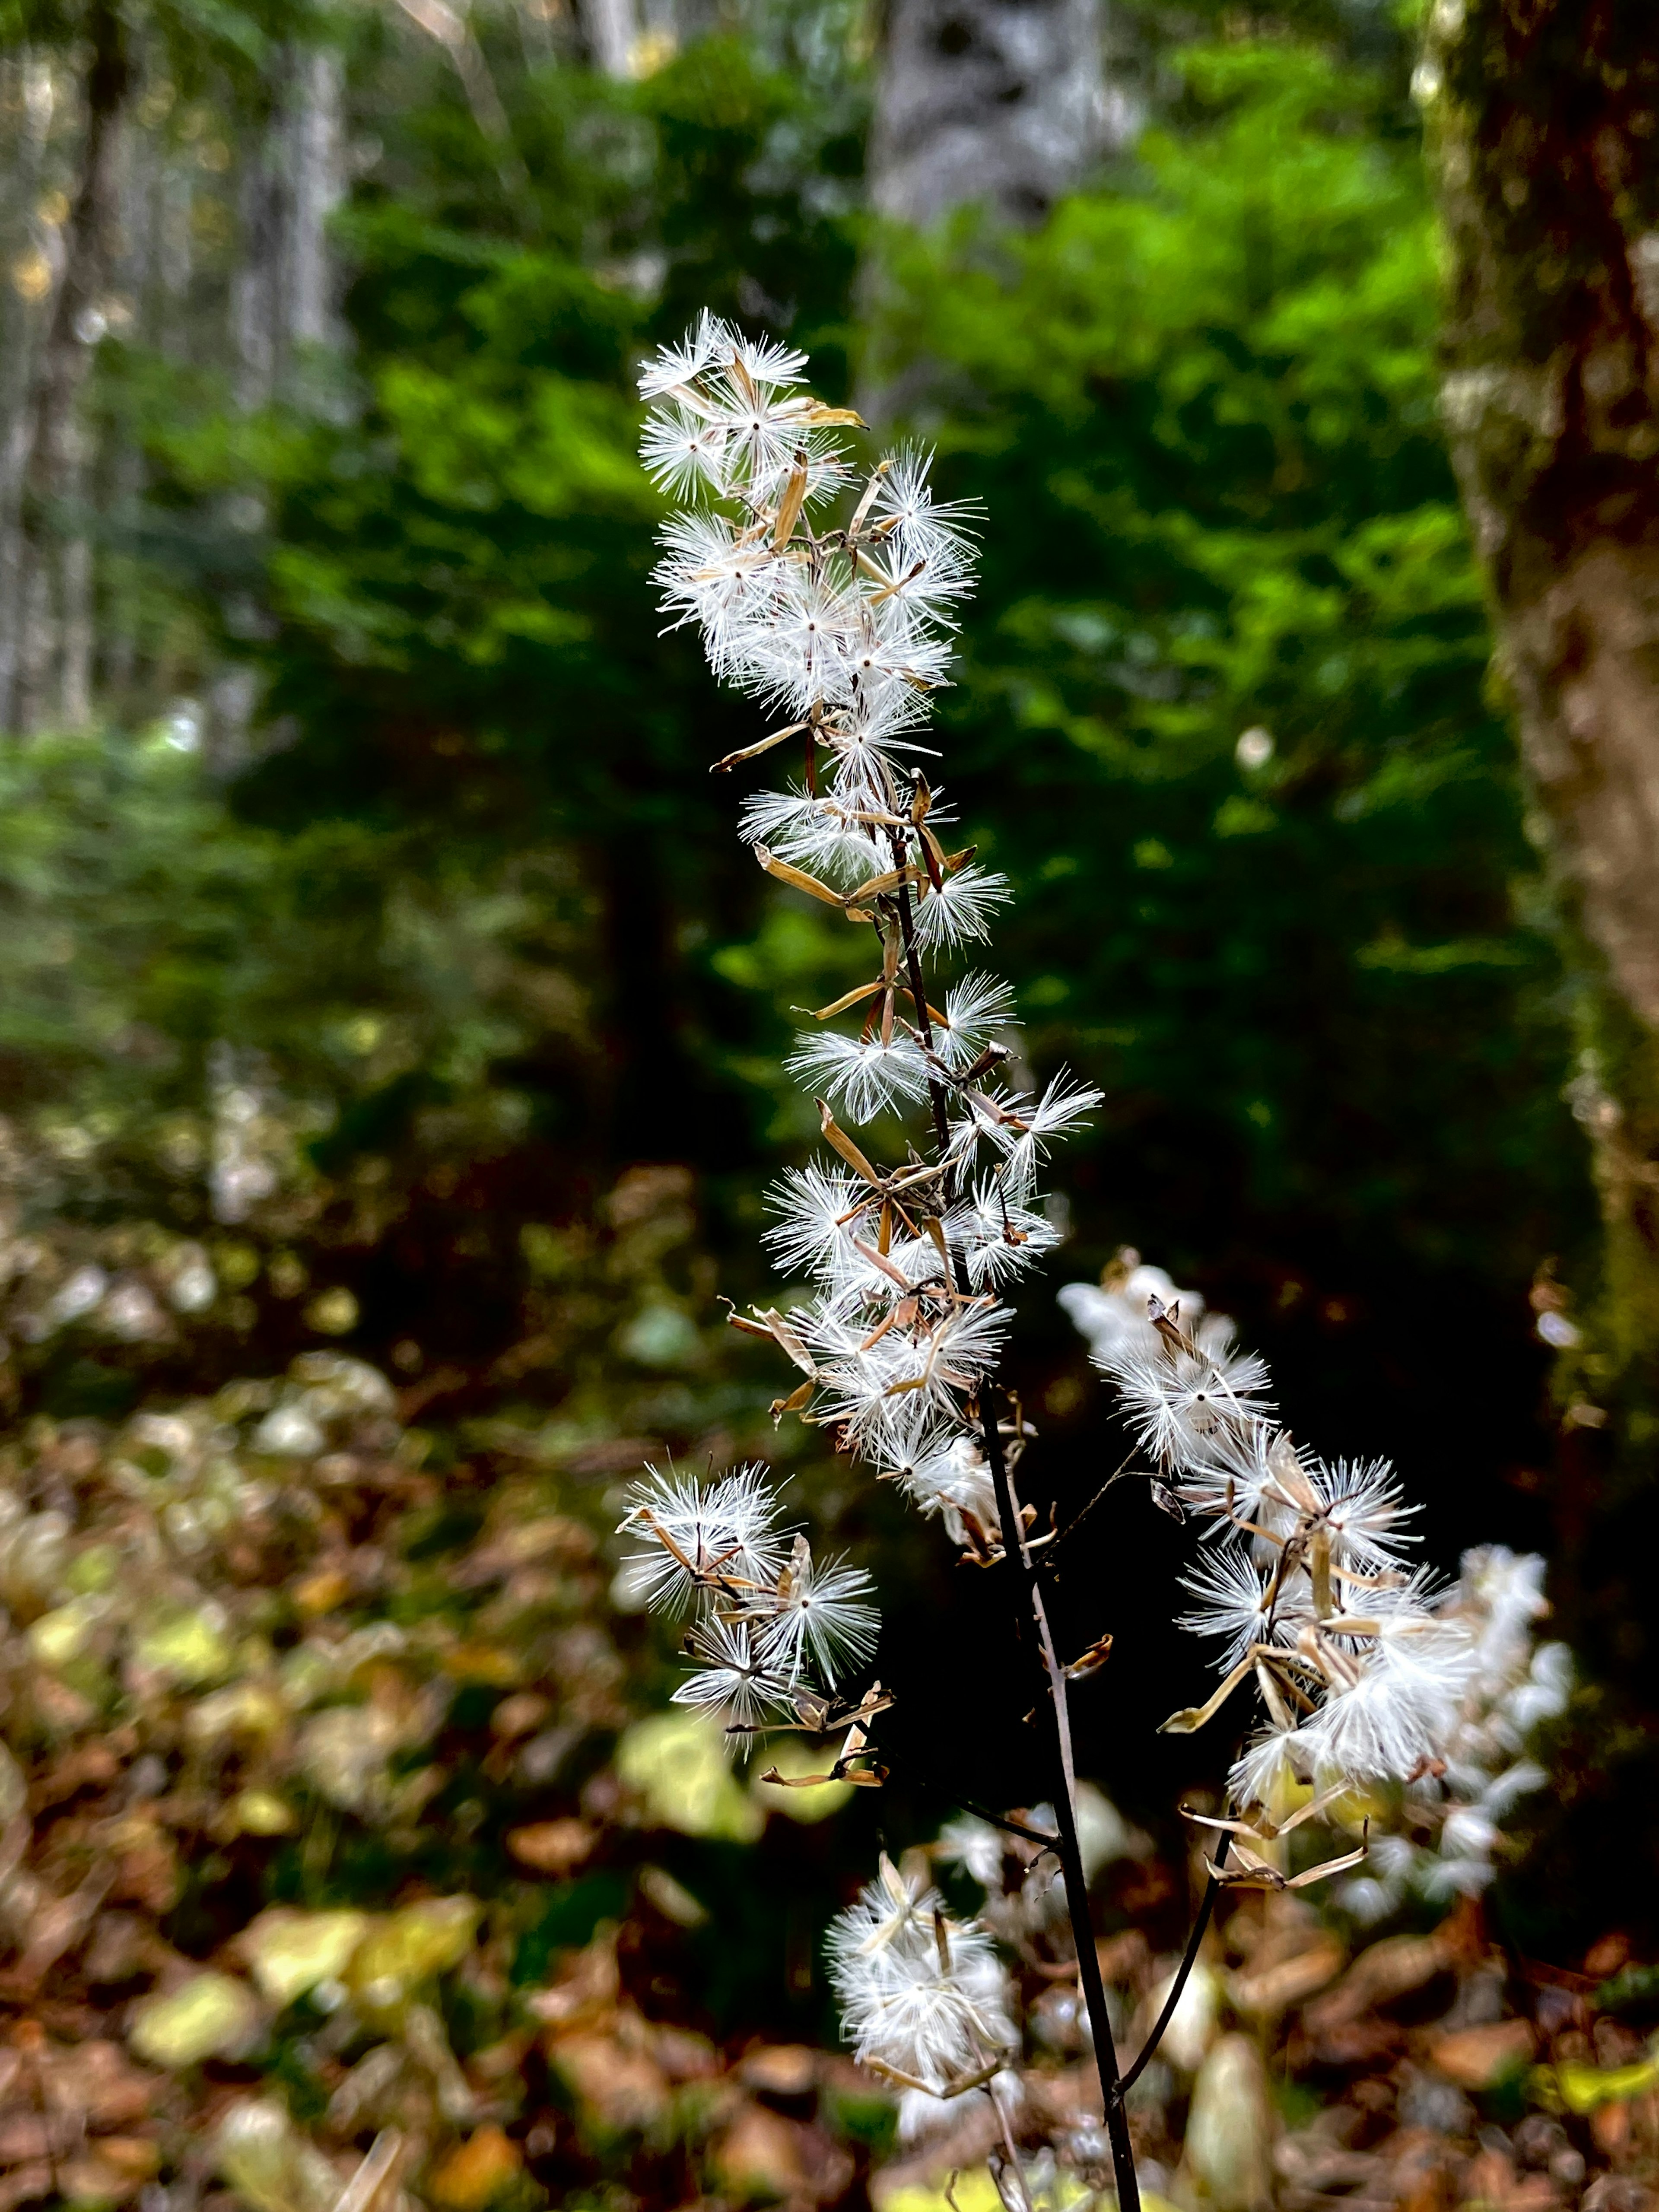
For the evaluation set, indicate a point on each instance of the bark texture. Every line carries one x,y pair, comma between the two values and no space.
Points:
1544,131
1001,102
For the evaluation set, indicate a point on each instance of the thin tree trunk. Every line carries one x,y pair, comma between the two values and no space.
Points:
316,188
37,636
257,290
1001,102
452,29
123,461
612,30
535,33
176,259
50,433
35,81
76,632
1543,130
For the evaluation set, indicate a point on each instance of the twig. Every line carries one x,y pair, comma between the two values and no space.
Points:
1067,1846
1016,2172
919,999
1013,1827
1083,1513
1183,1974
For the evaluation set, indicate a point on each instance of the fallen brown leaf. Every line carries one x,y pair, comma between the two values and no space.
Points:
1476,2058
552,1846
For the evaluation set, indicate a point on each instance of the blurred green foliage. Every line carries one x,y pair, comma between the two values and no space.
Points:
1198,408
1223,721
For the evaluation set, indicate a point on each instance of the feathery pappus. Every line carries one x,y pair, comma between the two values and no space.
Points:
1400,1699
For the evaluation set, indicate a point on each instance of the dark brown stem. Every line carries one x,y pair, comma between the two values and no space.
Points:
1183,1974
1067,1847
913,970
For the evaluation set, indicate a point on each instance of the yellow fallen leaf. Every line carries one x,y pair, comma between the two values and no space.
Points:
477,2171
410,1946
290,1951
976,2192
676,1763
209,2016
1582,2089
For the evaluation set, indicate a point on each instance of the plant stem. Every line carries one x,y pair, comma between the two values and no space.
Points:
1017,2187
1183,1974
919,996
1067,1848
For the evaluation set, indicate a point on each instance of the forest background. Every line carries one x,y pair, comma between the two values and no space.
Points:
379,974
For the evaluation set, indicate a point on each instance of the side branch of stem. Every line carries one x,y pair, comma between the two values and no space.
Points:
1183,1975
919,999
1067,1846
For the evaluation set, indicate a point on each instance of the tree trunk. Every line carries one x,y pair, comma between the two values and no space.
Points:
77,638
611,28
256,294
176,258
49,445
292,181
316,171
1544,129
30,78
1001,102
123,460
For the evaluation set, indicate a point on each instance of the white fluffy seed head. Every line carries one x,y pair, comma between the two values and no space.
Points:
920,1992
699,1541
861,1073
817,1620
1372,1677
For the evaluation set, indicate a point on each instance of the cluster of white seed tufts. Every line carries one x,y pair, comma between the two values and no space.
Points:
847,629
1366,1669
771,1628
1450,1827
844,628
1372,1675
923,1997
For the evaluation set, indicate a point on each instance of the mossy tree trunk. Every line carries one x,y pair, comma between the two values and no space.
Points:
1544,133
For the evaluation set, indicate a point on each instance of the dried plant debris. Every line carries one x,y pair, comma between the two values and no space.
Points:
312,1858
321,1887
